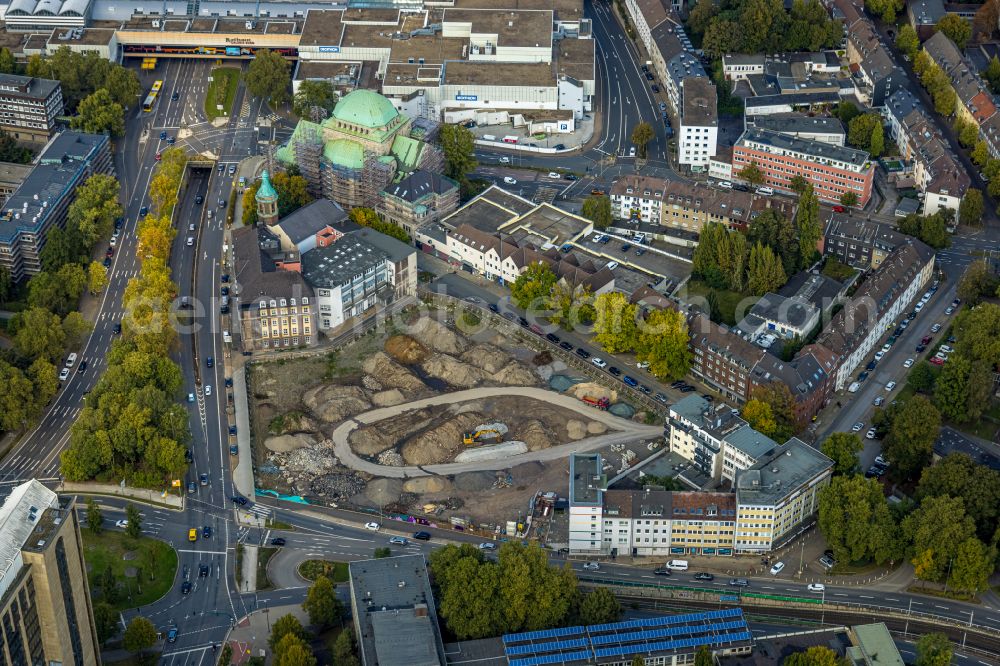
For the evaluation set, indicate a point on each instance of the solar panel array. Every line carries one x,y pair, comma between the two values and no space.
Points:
690,630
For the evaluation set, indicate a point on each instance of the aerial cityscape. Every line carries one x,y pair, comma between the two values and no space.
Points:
500,332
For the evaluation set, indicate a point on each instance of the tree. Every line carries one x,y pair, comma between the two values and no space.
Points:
934,532
95,521
16,398
956,28
322,604
95,208
134,518
885,9
968,133
752,173
367,217
782,404
97,278
532,288
105,621
846,111
861,129
459,147
600,606
293,192
855,520
970,211
597,209
843,448
981,153
907,40
38,333
808,225
972,566
314,100
849,199
58,292
817,655
922,377
933,649
934,231
44,379
764,272
638,660
700,16
760,416
615,327
663,343
75,329
876,143
344,653
642,134
7,63
911,436
268,77
292,651
382,552
798,184
957,475
703,657
772,229
123,86
283,626
139,635
951,390
11,151
6,282
99,114
992,73
570,305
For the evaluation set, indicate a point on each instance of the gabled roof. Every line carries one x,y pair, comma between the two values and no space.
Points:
420,184
311,219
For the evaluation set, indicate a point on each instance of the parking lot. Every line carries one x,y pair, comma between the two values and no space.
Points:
650,264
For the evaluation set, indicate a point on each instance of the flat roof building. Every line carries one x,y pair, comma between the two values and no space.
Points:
395,619
29,107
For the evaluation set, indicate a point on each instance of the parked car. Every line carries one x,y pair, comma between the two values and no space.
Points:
615,371
591,566
599,362
398,541
582,353
827,561
739,582
935,328
423,536
890,386
487,545
776,569
704,576
373,526
857,426
908,363
870,434
816,587
661,571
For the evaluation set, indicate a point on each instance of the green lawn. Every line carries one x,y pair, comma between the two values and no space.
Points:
264,556
312,569
728,300
155,560
221,90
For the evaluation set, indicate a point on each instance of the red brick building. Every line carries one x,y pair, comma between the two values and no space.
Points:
832,170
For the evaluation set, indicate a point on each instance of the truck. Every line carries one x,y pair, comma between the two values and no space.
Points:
600,403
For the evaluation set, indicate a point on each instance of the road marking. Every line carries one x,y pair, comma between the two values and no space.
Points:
941,607
202,552
864,597
839,594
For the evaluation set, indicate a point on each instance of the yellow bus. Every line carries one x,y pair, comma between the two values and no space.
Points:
151,97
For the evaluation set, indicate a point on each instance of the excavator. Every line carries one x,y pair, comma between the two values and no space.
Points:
473,438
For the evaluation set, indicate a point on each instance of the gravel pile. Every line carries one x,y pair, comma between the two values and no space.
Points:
472,481
336,486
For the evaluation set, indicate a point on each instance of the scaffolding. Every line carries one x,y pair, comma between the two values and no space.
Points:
308,149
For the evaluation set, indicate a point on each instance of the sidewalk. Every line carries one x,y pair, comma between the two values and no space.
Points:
249,637
249,169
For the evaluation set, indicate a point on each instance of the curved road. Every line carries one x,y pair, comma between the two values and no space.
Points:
627,431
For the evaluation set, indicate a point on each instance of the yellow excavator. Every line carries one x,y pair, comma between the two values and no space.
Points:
473,438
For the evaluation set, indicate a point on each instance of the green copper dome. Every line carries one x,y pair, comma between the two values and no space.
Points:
365,108
266,191
345,153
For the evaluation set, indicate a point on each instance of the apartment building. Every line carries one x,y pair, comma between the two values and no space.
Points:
699,126
29,107
779,496
881,299
420,198
44,595
858,242
774,498
41,201
875,72
832,170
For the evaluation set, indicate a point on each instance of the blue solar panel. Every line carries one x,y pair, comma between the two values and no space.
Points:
670,619
537,648
545,633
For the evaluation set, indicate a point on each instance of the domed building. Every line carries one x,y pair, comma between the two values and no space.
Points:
363,147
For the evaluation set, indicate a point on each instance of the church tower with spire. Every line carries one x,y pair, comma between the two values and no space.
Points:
267,201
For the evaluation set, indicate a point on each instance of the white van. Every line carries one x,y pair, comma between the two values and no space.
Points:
70,360
489,137
765,190
677,565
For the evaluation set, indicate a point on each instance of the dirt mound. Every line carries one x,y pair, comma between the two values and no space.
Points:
437,336
440,443
596,428
453,371
336,486
426,484
486,357
383,491
527,472
332,403
388,398
515,374
404,349
284,443
391,374
576,429
372,440
592,390
473,481
293,422
534,434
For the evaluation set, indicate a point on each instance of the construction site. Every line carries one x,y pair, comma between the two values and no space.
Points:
420,419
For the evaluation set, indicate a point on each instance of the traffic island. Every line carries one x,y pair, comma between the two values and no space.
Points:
313,569
126,572
221,92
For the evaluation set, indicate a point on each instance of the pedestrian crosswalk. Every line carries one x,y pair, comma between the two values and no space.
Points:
260,510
